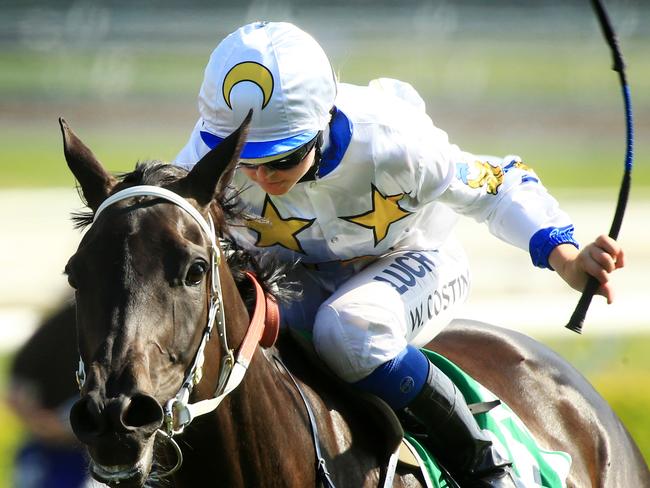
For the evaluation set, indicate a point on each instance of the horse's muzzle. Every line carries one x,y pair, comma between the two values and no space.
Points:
116,430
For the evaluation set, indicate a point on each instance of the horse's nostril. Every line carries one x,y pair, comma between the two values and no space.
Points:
90,419
86,419
143,411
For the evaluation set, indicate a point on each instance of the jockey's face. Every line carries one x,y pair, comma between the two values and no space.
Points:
276,181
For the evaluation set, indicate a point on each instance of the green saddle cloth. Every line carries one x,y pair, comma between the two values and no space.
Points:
533,466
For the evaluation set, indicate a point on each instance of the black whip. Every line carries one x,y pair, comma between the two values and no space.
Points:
578,317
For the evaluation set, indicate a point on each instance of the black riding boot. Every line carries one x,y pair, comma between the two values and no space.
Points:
454,437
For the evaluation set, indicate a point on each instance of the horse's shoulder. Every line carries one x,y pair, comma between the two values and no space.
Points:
347,407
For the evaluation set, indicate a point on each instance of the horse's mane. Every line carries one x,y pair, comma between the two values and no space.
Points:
226,213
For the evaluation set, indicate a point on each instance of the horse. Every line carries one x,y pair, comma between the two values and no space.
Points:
151,272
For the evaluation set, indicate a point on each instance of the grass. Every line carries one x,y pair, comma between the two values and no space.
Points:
103,73
10,436
12,431
443,68
526,70
28,164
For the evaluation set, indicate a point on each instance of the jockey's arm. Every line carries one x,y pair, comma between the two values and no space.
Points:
508,196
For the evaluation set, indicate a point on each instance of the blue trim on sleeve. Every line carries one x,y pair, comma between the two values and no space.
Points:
340,137
544,241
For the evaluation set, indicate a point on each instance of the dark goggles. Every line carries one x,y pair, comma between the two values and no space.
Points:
288,162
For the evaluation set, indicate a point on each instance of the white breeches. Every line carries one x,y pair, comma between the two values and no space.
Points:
362,321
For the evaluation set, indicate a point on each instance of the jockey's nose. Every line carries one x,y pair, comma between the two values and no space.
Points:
263,171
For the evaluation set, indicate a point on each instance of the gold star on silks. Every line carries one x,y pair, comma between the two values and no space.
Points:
277,230
385,211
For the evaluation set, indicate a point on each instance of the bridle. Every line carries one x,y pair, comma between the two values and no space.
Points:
263,328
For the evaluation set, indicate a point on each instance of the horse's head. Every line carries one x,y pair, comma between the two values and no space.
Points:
143,275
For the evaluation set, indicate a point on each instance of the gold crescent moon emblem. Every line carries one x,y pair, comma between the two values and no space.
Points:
249,71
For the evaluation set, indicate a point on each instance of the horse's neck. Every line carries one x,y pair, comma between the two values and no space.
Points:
261,436
260,431
258,434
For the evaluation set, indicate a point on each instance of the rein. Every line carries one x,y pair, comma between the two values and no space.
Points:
263,328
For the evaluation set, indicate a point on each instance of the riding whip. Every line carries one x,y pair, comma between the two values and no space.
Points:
578,317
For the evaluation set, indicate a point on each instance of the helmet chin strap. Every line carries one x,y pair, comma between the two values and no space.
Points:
178,411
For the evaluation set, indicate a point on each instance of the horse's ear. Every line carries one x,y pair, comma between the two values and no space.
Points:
95,181
210,176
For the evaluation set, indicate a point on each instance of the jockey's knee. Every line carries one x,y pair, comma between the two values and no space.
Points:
352,344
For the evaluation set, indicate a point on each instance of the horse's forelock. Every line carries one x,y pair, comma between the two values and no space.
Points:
156,173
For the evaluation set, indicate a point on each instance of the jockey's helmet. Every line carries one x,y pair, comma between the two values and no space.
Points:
281,73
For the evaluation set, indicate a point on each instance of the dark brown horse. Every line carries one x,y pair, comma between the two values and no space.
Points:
145,283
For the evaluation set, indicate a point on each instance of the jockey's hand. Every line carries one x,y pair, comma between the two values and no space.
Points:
598,259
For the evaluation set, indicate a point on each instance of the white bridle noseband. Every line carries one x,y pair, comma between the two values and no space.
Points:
178,411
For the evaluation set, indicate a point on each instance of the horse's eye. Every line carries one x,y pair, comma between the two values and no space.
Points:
196,273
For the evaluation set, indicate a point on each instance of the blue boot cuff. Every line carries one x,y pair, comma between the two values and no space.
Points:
399,380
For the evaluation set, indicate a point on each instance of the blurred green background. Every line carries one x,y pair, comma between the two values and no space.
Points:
531,78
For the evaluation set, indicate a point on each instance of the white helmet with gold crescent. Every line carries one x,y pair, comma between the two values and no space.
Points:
280,72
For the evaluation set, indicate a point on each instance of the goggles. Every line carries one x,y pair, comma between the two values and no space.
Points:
290,161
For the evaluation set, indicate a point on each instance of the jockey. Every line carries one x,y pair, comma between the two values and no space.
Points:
360,188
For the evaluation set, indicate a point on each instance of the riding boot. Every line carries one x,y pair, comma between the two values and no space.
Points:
454,437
